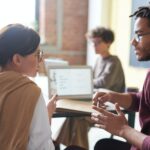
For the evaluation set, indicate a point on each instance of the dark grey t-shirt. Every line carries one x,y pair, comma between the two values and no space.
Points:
108,74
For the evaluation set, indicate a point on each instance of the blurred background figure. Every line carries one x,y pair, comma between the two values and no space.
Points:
108,72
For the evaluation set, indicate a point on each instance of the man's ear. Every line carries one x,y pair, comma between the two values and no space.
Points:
17,59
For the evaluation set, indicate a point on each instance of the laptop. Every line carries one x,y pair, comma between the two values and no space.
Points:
71,82
49,62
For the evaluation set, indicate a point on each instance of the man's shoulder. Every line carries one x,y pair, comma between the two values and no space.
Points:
115,59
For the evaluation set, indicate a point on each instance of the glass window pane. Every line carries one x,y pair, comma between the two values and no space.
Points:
17,11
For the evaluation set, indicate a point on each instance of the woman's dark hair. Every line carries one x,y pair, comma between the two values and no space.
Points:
105,34
17,39
143,12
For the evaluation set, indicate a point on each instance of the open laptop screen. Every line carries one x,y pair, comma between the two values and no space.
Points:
70,81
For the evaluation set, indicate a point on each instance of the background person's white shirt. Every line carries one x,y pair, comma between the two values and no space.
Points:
40,131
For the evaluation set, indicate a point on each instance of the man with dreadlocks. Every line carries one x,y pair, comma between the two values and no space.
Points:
116,123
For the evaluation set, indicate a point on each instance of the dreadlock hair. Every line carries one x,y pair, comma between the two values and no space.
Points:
143,12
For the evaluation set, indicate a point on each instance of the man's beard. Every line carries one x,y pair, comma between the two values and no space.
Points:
147,58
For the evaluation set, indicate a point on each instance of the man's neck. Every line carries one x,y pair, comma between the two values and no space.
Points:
105,54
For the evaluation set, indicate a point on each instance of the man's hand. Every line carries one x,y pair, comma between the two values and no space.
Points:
100,98
108,121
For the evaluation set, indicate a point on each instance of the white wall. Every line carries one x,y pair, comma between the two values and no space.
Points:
97,9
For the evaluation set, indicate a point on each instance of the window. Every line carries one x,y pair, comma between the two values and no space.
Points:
17,11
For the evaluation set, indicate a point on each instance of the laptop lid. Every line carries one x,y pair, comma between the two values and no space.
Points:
75,82
49,62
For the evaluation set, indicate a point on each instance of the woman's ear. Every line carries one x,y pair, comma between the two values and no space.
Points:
17,60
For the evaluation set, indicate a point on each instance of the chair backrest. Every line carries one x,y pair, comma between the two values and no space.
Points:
132,89
131,115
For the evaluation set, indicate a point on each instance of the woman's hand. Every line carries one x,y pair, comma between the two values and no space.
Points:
113,123
51,106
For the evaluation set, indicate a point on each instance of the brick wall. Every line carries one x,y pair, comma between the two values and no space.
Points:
63,24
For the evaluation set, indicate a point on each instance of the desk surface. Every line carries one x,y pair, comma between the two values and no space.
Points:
42,81
71,114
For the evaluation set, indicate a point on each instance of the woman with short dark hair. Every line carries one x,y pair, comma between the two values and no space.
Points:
24,119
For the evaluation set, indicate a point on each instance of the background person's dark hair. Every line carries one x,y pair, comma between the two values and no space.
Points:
17,39
143,12
105,34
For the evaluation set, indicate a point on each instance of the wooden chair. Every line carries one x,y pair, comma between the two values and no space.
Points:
131,115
